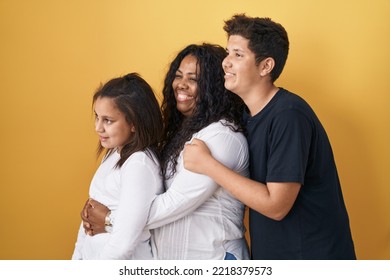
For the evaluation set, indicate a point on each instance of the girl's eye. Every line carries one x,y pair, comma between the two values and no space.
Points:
107,121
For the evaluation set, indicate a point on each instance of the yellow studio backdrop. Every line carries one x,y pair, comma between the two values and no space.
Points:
53,55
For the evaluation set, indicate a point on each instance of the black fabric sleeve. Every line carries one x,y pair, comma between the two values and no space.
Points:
289,145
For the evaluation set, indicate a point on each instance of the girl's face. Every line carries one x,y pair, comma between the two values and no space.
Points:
111,125
185,85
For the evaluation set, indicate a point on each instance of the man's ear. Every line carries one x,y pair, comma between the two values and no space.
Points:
266,66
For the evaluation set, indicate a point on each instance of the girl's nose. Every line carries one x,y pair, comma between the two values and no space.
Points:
99,126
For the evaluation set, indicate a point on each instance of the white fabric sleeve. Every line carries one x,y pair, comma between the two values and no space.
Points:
79,243
138,188
189,190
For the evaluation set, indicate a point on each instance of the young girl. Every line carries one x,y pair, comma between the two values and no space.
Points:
129,125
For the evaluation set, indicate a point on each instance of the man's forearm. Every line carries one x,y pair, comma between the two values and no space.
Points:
252,193
273,200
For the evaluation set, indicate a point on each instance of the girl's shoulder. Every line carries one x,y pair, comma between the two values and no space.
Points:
146,157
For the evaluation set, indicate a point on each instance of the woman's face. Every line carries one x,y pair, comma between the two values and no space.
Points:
185,85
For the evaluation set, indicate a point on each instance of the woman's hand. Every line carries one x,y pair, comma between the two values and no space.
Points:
93,216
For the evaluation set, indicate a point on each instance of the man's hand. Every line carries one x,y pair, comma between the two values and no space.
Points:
196,155
93,216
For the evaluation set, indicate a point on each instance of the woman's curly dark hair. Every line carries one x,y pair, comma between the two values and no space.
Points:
213,102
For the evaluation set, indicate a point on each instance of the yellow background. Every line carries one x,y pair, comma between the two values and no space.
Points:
53,55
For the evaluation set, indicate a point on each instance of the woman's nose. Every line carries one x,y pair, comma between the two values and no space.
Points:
182,84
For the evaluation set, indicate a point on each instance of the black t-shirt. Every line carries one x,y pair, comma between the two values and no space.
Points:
287,143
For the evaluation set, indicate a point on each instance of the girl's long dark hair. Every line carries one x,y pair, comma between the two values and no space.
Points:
213,102
134,97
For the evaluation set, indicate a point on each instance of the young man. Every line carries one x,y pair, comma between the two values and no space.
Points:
297,207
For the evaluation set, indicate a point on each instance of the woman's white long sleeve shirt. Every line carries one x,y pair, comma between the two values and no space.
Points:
196,218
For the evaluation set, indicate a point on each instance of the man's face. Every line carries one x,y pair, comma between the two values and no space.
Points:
241,72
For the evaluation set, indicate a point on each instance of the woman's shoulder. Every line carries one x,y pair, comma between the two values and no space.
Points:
227,145
222,129
220,126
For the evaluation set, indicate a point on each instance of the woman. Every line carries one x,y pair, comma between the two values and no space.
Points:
195,218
